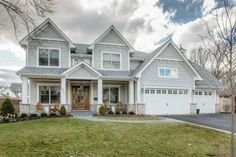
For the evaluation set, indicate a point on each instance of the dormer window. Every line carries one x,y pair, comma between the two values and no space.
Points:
165,72
48,57
111,61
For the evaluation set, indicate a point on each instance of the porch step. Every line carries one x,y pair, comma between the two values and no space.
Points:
82,113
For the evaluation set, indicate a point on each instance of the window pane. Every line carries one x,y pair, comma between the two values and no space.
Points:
114,97
115,65
168,72
162,72
106,57
44,94
54,57
115,57
55,94
107,64
43,57
106,95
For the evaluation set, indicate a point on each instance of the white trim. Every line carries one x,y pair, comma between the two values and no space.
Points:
82,78
46,84
92,58
166,59
110,44
166,87
49,39
67,72
128,61
111,52
169,68
49,48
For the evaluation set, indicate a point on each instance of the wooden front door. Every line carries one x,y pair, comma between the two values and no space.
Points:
80,97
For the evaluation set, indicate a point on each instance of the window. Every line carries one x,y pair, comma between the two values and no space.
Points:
169,91
146,91
163,91
199,93
49,94
111,61
205,93
174,91
152,91
158,91
111,94
196,93
48,57
210,93
185,92
168,72
77,60
180,92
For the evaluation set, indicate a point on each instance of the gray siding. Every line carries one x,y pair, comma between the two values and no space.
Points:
150,75
170,53
32,51
33,92
48,32
81,72
112,38
134,64
97,55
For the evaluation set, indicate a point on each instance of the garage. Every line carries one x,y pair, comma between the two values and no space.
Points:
205,101
167,101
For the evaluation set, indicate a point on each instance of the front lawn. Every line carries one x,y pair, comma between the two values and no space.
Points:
129,117
73,137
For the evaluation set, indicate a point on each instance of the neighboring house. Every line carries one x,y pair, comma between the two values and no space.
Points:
7,93
110,70
16,89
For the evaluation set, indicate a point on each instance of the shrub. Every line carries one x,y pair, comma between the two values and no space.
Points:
131,113
110,112
62,110
23,115
33,115
52,114
7,108
43,114
117,112
102,110
124,112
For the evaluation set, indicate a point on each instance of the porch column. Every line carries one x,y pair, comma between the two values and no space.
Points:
100,91
138,91
63,91
25,90
131,91
91,93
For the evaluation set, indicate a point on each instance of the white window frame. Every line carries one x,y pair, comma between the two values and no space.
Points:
112,86
167,68
109,52
49,48
47,84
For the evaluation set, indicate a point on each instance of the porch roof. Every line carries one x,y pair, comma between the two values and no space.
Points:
40,71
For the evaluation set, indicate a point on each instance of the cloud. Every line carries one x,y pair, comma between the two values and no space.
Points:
7,77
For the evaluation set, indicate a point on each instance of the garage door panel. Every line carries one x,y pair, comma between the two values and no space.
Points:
172,102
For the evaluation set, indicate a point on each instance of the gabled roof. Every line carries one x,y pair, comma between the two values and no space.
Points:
40,71
48,20
119,35
208,80
157,52
78,65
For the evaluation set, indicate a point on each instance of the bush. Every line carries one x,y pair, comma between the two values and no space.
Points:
117,112
62,110
23,115
7,108
33,115
43,114
52,114
124,112
102,110
110,112
131,113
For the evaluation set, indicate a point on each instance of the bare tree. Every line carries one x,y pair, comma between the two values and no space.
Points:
200,56
222,36
21,13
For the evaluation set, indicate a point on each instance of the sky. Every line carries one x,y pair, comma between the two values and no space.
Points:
144,23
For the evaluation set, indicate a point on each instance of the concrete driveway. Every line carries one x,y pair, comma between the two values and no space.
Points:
218,121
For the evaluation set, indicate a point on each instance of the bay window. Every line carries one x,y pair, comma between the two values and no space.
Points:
49,94
111,95
111,61
48,57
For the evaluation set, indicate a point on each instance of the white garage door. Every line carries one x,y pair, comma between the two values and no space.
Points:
167,101
205,101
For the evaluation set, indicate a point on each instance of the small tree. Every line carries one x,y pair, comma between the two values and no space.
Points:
102,110
62,110
7,108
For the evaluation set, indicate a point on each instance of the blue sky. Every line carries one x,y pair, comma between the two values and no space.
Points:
144,23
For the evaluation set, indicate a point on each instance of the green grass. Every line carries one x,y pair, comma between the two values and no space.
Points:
73,137
129,117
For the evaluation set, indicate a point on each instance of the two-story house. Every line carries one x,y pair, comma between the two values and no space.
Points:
110,70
